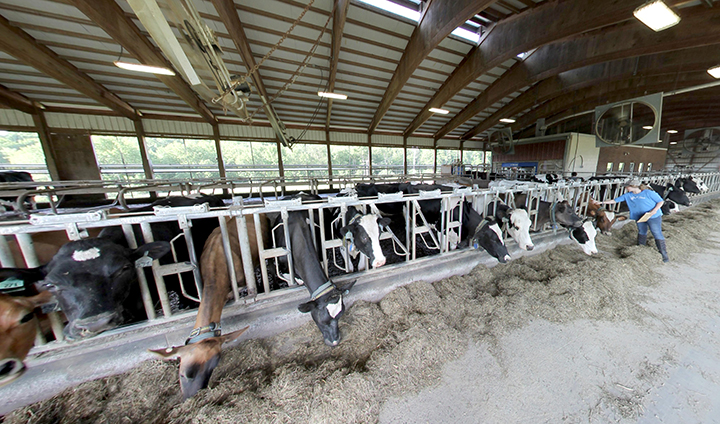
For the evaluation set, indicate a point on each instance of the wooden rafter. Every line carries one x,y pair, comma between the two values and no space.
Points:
24,47
112,19
341,8
16,101
550,60
510,37
438,21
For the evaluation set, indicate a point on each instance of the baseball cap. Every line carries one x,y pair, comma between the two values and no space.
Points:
633,182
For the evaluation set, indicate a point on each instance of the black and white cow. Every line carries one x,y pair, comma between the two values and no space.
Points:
671,192
360,234
517,222
585,237
91,279
326,304
687,184
560,213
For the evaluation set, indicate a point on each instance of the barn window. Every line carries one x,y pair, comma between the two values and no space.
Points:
180,158
420,160
118,157
387,160
244,159
649,167
640,167
621,166
609,167
632,167
473,157
446,157
21,151
350,160
305,161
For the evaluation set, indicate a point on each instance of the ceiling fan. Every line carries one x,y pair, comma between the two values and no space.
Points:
501,141
702,140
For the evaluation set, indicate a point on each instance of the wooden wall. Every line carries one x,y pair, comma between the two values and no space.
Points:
631,154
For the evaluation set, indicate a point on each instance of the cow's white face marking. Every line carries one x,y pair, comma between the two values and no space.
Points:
86,255
496,228
335,308
519,218
610,216
589,247
370,224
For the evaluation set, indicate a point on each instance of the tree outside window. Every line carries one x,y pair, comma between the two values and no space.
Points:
22,151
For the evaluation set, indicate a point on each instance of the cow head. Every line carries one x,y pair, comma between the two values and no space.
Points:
605,219
326,309
18,325
687,184
585,237
677,195
566,216
519,228
90,279
489,236
197,360
362,235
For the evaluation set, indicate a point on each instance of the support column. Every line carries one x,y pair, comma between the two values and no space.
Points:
405,155
218,151
46,143
140,133
281,168
435,160
370,154
329,156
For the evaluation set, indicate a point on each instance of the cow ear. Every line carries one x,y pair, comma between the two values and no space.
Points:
155,250
621,218
344,231
383,222
307,306
27,275
346,286
170,352
592,213
234,335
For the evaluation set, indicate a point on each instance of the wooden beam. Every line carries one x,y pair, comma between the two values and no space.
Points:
16,101
508,38
439,20
140,133
112,19
218,151
46,144
621,42
676,62
341,8
24,47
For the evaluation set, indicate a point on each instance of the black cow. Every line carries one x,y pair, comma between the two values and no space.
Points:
91,280
560,213
687,184
326,299
15,177
671,192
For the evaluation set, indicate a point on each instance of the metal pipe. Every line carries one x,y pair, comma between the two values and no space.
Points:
286,231
246,256
228,256
159,280
142,281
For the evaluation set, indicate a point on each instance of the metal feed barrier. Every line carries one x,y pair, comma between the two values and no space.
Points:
417,230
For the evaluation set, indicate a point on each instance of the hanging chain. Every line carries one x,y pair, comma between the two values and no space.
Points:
230,90
300,68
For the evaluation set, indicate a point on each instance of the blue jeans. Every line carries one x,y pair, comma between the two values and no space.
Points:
655,225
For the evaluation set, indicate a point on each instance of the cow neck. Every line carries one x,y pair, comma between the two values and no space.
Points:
305,261
472,219
552,215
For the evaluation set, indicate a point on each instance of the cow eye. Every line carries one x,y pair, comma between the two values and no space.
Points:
49,286
27,317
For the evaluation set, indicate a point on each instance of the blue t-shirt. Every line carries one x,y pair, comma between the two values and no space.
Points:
641,203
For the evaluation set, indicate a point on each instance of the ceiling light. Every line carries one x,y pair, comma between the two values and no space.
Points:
440,111
672,131
507,120
332,95
714,71
656,15
673,142
648,127
144,68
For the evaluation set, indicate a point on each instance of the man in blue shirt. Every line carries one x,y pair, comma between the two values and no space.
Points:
644,208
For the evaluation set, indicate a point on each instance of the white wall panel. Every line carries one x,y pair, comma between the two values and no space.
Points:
473,145
246,132
72,121
455,144
420,141
356,138
393,140
15,118
180,128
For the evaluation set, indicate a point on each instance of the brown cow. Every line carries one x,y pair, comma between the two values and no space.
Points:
18,325
201,352
604,219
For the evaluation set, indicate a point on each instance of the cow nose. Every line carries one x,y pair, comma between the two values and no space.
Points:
332,343
10,369
530,247
378,262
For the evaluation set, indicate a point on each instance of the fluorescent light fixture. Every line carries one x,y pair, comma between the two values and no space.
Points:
440,111
394,8
656,15
332,95
143,68
673,142
714,71
507,120
648,127
672,131
468,35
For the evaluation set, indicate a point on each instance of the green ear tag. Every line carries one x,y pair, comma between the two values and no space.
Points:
11,285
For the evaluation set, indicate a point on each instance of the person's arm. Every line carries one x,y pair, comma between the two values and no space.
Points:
657,207
607,202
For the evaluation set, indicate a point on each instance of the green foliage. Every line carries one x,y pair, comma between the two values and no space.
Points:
349,160
22,151
244,159
420,160
198,157
387,160
305,160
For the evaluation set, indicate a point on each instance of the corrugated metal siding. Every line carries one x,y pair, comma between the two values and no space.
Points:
89,122
246,132
455,144
420,141
390,140
473,145
355,138
14,118
159,128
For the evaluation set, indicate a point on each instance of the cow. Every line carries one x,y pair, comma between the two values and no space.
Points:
91,279
516,221
560,213
585,237
362,234
18,326
604,219
687,184
15,177
671,192
700,184
201,352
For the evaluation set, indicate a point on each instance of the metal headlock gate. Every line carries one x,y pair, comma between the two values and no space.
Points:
441,239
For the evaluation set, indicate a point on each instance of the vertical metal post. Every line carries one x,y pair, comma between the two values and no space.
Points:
261,249
286,231
246,255
407,230
228,256
159,280
6,257
142,281
187,232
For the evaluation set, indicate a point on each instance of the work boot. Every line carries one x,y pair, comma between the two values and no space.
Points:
662,249
642,239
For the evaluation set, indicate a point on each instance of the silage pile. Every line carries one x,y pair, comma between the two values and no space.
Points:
395,347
